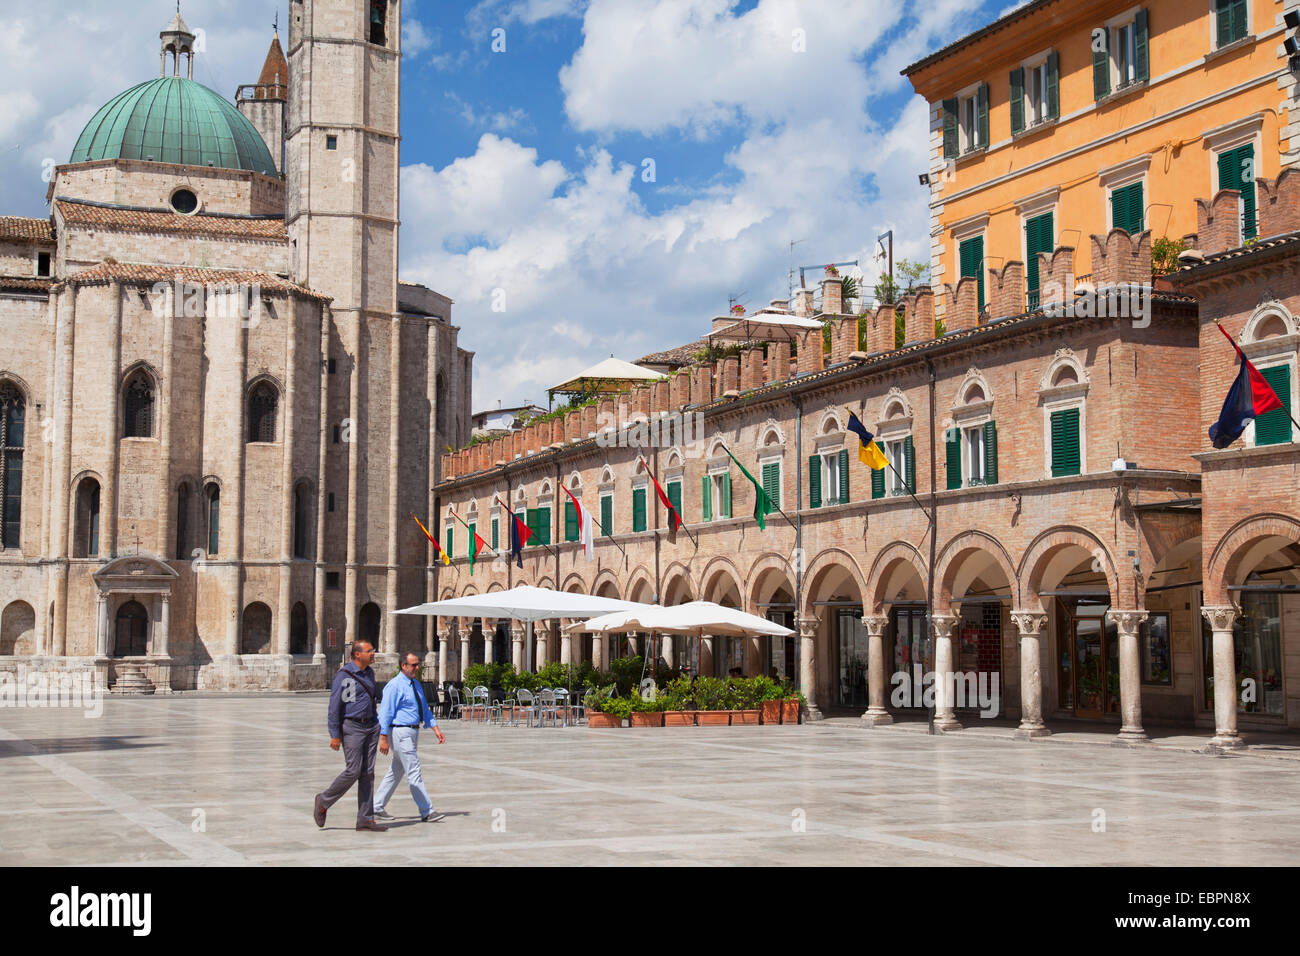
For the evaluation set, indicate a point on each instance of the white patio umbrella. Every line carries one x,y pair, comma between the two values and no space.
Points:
694,618
525,603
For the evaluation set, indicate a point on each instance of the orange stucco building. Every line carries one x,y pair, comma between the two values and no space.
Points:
1066,119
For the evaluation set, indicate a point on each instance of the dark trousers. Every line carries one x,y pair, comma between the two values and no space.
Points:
359,747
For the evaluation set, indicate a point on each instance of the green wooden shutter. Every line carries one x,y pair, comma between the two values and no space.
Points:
952,455
1053,86
1238,19
771,477
950,129
495,539
607,515
469,542
1101,66
982,113
910,452
1038,238
570,522
1222,22
706,499
844,475
1237,171
1126,209
971,256
544,524
1017,100
638,509
814,481
530,520
726,496
1274,428
1065,442
451,542
877,482
990,453
1140,45
675,496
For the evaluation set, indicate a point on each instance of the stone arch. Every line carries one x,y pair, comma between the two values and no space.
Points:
815,575
299,631
768,567
369,623
895,405
1264,319
605,580
574,582
262,401
1240,547
1037,560
882,573
606,475
677,576
974,379
575,481
138,388
255,632
830,423
544,489
17,629
953,555
542,582
1063,359
495,586
86,509
717,569
768,431
673,459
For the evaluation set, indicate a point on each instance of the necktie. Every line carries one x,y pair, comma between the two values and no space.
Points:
420,705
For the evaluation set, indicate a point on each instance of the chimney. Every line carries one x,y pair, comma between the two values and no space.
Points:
832,295
778,361
963,304
1121,259
779,305
729,376
810,352
918,316
803,303
751,368
701,384
1006,290
1218,222
1278,204
1056,275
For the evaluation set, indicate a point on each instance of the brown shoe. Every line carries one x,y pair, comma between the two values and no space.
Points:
371,825
318,811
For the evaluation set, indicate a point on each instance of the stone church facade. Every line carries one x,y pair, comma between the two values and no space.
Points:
219,404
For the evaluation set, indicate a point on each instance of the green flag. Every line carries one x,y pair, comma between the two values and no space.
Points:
762,503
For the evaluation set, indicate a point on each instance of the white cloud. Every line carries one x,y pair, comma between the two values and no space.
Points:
513,120
415,39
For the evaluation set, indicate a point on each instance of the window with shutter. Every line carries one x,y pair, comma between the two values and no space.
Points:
450,540
877,482
1101,64
1126,209
1038,238
815,481
990,453
1274,428
726,495
1017,101
530,519
971,263
706,499
910,451
982,109
638,509
675,496
952,460
1237,171
950,129
496,541
570,522
1065,442
844,475
607,514
1140,46
544,525
1229,21
772,481
1053,86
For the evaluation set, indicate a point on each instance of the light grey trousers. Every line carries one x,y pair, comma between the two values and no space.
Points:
406,760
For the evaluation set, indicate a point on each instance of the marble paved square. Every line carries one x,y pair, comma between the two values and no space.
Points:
191,780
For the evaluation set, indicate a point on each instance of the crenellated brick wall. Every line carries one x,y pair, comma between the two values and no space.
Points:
918,315
1120,259
832,295
810,351
778,361
963,304
1006,290
1278,203
1056,275
1218,222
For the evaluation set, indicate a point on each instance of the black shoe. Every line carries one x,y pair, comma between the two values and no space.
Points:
432,817
372,825
318,811
383,815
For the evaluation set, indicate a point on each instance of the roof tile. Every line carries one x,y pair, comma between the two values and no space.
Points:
148,220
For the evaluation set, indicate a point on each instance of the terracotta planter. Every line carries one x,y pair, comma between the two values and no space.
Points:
712,718
679,718
790,711
744,717
596,719
770,711
648,719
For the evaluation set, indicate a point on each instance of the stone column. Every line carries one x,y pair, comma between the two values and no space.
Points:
566,647
162,647
944,718
1031,625
108,494
599,644
706,657
167,388
101,624
667,648
489,628
1220,619
318,549
877,679
446,634
355,358
541,633
288,513
633,645
807,660
464,649
517,645
1130,675
388,632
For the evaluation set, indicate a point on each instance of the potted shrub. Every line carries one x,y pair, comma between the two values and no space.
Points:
712,698
646,713
768,696
744,700
604,711
791,706
678,703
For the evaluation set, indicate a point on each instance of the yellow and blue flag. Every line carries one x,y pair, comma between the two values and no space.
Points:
869,452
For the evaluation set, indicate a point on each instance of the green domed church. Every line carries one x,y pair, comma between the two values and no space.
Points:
219,405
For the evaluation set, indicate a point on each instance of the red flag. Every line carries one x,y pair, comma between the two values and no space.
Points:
674,519
1263,398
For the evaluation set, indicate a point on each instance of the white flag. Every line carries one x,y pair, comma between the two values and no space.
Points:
585,532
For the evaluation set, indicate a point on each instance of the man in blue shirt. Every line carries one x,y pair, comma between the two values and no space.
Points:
401,713
353,722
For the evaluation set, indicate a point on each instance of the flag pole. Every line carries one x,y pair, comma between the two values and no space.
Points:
681,525
513,518
612,539
779,509
1243,356
901,480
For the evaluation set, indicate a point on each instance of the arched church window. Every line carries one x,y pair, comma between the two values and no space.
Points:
137,403
182,521
85,541
214,519
378,22
262,402
12,420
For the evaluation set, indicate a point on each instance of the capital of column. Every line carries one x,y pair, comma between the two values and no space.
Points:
1030,623
943,624
1220,616
1127,622
807,627
875,625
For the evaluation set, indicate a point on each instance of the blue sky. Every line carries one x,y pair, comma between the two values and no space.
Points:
525,178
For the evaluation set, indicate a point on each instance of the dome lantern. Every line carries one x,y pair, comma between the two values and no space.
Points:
176,40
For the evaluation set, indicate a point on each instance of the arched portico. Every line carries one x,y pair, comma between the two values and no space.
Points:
834,647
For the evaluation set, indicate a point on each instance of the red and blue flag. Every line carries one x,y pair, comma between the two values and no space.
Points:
1249,397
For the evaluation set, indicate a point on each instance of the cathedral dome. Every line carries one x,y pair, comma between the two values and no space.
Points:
174,120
